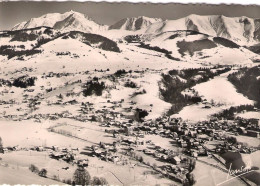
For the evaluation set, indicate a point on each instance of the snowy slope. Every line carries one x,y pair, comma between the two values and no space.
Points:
66,22
239,29
209,90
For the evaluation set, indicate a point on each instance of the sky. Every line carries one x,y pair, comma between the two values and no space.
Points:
107,13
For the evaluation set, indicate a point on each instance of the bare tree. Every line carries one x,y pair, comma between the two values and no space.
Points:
43,173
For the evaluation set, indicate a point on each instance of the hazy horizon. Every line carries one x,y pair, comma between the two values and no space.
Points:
12,13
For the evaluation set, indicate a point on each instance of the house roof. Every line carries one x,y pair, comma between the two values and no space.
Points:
176,158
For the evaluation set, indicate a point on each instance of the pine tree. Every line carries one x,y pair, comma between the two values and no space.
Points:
81,176
1,146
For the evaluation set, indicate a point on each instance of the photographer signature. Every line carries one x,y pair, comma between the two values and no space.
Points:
236,173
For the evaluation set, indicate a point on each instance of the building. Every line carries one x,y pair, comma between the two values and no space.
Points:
176,160
253,133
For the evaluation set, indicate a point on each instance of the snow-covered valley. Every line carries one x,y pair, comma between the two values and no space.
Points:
134,103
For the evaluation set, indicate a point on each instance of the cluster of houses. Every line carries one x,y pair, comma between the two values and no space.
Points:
108,152
68,155
249,127
190,137
64,154
227,146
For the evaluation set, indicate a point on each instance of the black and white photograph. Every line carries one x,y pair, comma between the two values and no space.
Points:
129,94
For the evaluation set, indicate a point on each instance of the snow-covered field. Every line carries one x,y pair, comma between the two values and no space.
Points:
14,175
29,134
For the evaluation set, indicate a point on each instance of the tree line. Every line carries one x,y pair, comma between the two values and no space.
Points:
247,82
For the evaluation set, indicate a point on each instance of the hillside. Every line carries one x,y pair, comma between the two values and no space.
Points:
247,82
28,41
196,46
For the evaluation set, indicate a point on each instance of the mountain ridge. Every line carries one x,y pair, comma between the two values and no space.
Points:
242,30
134,23
239,29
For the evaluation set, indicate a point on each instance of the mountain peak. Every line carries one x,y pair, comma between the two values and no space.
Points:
67,21
134,23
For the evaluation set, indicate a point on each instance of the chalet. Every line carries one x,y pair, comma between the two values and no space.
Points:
94,147
202,151
115,159
176,160
159,149
157,154
210,131
253,133
205,138
116,144
129,131
141,134
184,144
242,130
164,157
99,152
83,163
167,132
103,145
147,152
39,148
175,135
243,150
69,157
5,150
194,154
254,121
176,128
195,143
140,142
130,149
57,155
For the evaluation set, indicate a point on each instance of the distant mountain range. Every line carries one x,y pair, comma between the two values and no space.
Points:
242,30
200,39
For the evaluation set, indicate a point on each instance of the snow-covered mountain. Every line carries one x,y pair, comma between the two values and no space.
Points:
239,29
242,30
69,21
134,23
204,39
